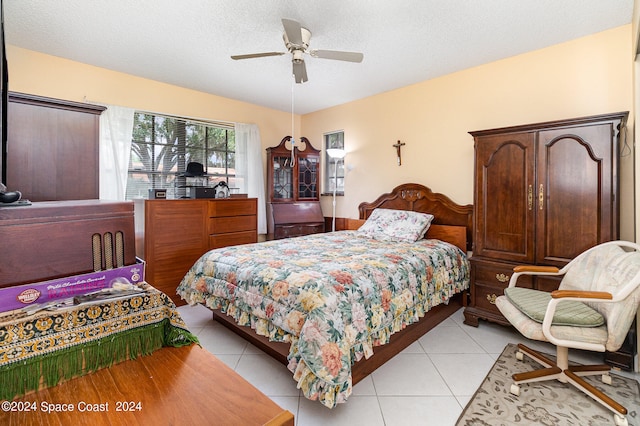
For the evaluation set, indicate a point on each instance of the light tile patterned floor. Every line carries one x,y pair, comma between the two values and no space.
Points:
429,383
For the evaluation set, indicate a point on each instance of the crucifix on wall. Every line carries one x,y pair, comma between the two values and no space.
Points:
398,146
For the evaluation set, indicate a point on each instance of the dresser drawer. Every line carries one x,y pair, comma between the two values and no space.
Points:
484,297
496,274
488,281
232,239
233,207
226,224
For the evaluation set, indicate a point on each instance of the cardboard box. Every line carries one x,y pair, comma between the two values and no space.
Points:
18,297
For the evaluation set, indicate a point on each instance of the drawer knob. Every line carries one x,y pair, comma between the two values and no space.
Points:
502,278
492,298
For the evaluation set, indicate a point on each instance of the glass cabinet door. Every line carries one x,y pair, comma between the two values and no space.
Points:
282,177
308,177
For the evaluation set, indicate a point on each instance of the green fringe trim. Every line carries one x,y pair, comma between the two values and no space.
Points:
19,378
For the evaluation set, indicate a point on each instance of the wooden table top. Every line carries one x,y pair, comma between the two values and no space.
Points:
172,386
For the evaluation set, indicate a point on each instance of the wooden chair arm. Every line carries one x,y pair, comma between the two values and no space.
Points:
556,294
536,269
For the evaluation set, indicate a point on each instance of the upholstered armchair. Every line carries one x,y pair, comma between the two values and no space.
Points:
592,309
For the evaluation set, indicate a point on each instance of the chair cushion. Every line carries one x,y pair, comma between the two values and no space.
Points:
533,303
533,330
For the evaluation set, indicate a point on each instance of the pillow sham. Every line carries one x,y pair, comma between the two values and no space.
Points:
396,225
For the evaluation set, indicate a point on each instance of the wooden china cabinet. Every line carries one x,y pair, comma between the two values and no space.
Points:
543,194
293,207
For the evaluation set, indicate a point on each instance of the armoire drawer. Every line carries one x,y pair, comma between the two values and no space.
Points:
496,274
488,281
484,297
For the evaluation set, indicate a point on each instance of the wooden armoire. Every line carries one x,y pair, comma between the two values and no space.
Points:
543,194
293,207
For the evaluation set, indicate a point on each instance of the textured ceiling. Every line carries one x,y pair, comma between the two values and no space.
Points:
189,42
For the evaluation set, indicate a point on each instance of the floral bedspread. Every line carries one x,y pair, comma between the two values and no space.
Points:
334,296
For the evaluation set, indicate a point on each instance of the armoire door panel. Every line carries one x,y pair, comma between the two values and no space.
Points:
575,177
504,183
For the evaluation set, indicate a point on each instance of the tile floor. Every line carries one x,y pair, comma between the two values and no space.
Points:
429,383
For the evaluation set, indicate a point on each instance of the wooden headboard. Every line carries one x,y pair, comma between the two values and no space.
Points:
419,198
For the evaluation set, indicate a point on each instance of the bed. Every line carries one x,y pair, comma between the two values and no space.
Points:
335,306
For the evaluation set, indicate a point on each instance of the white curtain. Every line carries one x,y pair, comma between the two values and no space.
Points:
116,131
250,168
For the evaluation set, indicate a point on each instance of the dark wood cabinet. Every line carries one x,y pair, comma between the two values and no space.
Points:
52,148
543,194
172,234
55,239
293,180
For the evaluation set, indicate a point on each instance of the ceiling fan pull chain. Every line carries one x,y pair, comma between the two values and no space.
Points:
293,140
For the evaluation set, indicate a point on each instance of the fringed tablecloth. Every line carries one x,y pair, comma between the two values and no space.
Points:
50,346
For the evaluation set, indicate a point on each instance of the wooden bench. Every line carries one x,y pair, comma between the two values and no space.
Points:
172,386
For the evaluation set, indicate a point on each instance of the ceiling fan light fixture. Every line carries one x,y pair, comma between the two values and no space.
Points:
298,56
296,39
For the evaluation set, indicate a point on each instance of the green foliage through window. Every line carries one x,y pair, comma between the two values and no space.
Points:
162,147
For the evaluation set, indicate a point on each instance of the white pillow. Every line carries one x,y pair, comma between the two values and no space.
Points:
396,225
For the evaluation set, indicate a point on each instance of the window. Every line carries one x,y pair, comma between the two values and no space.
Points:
162,147
333,178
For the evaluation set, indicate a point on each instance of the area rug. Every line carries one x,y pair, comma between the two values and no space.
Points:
547,403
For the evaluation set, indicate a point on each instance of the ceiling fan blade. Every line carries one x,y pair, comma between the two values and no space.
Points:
300,72
293,31
337,55
256,55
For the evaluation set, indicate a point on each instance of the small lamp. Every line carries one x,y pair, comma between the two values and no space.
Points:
336,154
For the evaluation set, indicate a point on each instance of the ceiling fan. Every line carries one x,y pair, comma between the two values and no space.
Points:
296,40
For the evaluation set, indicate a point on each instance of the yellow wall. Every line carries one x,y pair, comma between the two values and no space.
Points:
590,75
45,75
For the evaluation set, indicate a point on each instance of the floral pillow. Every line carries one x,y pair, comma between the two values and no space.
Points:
396,225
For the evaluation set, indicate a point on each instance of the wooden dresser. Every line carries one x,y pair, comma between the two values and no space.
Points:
172,234
543,194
